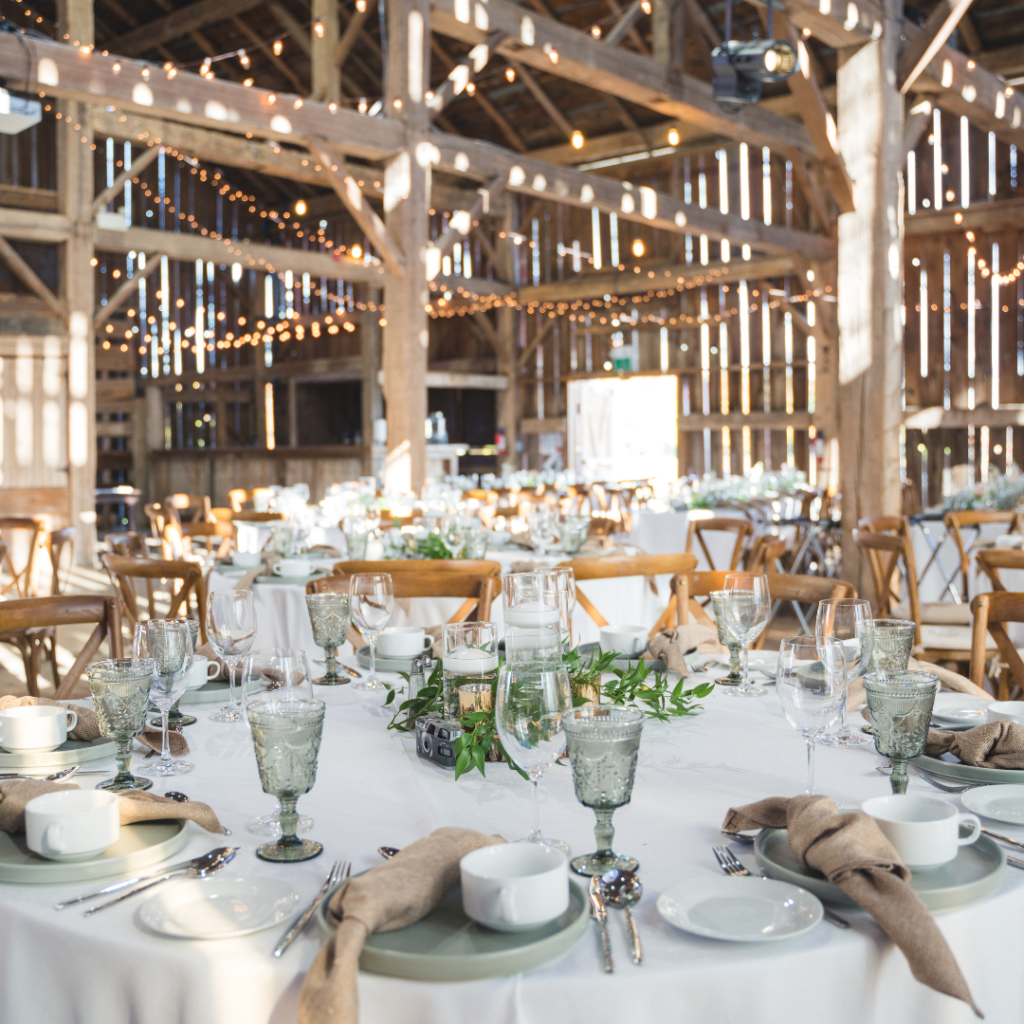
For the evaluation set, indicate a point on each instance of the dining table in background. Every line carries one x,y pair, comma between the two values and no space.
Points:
373,790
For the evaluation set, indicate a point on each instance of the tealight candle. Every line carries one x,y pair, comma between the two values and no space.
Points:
531,614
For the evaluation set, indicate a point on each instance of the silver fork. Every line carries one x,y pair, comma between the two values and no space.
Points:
339,871
731,865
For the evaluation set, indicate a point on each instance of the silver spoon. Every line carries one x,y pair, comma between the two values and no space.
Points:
387,852
622,889
64,773
201,867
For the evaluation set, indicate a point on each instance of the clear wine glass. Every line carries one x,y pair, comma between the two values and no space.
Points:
746,609
176,721
170,644
543,528
531,698
843,619
276,674
371,605
810,681
231,629
453,535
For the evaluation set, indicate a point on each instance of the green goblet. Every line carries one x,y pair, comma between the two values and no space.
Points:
901,711
328,615
727,639
120,693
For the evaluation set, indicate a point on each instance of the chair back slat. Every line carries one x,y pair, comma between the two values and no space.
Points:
719,524
123,571
990,612
885,551
394,567
991,560
956,522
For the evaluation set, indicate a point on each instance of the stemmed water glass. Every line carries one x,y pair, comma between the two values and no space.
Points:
371,604
231,628
901,711
543,528
170,643
746,608
531,699
120,692
176,721
276,674
453,535
328,615
843,618
811,683
286,735
602,742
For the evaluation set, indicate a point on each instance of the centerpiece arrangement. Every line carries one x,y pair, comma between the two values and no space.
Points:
1001,491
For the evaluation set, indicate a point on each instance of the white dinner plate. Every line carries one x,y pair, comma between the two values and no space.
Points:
1003,803
959,709
741,909
218,908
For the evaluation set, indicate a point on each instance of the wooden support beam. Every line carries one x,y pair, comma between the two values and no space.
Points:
485,243
28,277
463,72
999,215
835,24
754,420
915,124
668,34
629,17
938,418
538,339
180,23
538,93
139,164
462,221
708,29
325,79
126,288
616,9
336,175
918,52
802,174
351,34
296,32
1007,60
630,76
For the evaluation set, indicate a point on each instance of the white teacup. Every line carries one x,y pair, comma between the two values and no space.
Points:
1005,711
35,729
403,642
74,824
924,829
246,559
628,640
513,887
201,672
294,567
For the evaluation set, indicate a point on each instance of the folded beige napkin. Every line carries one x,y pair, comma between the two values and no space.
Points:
995,745
327,550
265,568
389,897
436,633
87,729
176,742
133,806
671,644
948,680
851,852
526,565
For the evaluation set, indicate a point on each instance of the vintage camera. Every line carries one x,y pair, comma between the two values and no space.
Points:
435,739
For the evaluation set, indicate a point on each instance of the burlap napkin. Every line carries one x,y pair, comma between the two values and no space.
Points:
152,738
133,806
266,567
851,852
389,897
436,633
672,644
527,565
948,680
995,745
87,729
327,550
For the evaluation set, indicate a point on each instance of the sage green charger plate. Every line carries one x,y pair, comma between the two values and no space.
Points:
295,581
214,692
385,664
68,753
967,772
139,846
447,946
973,874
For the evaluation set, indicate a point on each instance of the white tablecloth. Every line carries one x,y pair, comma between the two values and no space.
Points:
372,789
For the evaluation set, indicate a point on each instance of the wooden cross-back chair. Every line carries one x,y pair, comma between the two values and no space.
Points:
128,544
719,524
782,587
765,554
616,566
957,522
942,629
219,535
23,579
187,576
56,542
30,625
395,567
991,560
991,612
478,591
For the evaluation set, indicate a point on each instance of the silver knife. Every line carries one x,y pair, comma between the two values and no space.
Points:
121,885
598,912
335,875
1003,839
1016,863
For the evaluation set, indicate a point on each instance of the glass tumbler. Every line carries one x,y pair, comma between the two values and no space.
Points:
469,655
602,743
901,711
120,694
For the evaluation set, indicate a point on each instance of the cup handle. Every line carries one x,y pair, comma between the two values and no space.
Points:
212,670
507,903
428,643
72,720
974,822
54,837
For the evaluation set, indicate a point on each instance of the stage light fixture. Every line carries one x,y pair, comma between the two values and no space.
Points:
740,67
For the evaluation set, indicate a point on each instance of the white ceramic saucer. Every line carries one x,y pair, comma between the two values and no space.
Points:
740,909
958,709
1003,803
218,908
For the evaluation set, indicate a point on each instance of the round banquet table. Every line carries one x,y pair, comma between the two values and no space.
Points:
373,790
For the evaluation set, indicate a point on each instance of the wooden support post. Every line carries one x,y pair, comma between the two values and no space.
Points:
372,401
508,400
406,202
667,36
870,278
326,72
293,412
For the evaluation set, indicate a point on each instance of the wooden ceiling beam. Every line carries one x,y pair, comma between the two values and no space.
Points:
548,45
634,36
1005,61
915,124
296,32
124,290
462,221
999,215
538,93
463,72
918,52
30,278
138,166
177,24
